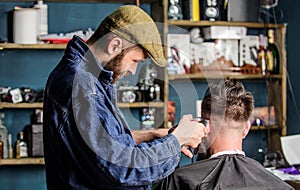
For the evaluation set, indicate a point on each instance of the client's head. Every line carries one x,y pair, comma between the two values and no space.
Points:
228,106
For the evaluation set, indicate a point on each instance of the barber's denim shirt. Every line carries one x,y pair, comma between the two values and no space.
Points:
87,142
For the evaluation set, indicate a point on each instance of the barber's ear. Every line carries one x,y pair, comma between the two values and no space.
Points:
114,46
247,128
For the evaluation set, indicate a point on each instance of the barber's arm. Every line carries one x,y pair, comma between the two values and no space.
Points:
148,135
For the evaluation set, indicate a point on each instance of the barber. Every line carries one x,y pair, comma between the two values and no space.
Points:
87,142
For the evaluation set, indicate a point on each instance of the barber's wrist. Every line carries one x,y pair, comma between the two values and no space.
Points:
159,133
181,140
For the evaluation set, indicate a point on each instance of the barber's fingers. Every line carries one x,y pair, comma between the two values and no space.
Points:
198,133
186,119
184,131
186,151
189,132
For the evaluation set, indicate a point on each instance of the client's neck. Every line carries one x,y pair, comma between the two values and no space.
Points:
226,144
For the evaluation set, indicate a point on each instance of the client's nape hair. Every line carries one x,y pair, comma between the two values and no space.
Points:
228,98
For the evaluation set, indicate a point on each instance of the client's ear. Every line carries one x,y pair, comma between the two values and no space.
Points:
247,128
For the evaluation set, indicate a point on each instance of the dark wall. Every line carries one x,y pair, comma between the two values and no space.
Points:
291,15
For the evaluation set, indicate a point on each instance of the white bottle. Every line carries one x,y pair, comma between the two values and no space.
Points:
42,18
10,147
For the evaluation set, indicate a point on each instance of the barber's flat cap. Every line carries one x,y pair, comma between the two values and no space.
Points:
133,24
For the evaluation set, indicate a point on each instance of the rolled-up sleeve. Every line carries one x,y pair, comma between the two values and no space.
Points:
116,152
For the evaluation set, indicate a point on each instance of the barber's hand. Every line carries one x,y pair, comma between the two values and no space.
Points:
189,134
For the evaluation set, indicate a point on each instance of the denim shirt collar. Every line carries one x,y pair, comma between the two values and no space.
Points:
82,54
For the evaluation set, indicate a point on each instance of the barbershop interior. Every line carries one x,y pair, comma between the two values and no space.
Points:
205,41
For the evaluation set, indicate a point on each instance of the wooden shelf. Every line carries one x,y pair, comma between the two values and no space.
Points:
256,128
5,105
22,161
141,104
222,23
218,75
31,46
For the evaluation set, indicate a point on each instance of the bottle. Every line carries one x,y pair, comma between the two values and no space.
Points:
10,148
262,55
272,48
269,61
3,133
17,149
21,147
1,148
42,18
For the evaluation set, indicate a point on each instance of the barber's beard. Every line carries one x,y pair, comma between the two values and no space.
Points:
114,65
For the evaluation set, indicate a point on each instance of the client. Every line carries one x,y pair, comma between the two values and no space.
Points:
228,106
